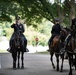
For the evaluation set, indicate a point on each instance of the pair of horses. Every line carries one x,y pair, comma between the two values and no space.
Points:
57,46
17,48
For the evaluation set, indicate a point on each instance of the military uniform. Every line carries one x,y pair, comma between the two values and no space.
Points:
55,31
18,28
72,33
73,30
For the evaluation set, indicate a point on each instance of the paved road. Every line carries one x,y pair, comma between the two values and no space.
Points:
35,64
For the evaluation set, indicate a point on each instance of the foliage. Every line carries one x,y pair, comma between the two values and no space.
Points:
35,13
31,34
42,32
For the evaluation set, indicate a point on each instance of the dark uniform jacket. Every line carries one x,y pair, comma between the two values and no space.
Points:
18,28
56,29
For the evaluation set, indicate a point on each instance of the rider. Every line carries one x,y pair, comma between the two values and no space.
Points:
55,31
73,31
18,27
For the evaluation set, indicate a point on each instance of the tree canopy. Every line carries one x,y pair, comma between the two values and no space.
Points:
34,11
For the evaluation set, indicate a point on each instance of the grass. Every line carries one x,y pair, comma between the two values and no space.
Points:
3,51
44,52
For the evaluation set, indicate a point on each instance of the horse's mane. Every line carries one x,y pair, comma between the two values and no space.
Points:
68,29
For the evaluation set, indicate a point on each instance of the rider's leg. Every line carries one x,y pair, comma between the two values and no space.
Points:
10,42
66,43
50,41
67,40
24,42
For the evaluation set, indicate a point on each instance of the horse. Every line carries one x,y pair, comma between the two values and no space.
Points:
71,51
17,48
56,46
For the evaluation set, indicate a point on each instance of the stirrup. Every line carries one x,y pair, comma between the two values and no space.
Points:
62,51
9,50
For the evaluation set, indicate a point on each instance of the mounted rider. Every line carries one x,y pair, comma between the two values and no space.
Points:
72,33
55,31
18,27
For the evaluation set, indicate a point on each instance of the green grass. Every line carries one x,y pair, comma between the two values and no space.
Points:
3,51
45,52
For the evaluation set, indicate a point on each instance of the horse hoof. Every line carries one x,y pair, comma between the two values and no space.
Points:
75,67
53,67
14,68
61,70
18,67
70,73
57,69
22,67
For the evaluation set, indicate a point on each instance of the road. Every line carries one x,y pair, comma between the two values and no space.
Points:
35,64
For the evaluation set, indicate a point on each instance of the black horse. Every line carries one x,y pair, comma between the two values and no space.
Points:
71,51
17,48
58,43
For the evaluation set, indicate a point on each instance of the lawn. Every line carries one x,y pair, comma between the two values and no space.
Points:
43,52
3,51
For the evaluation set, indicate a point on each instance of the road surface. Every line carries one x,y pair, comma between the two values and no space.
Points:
35,64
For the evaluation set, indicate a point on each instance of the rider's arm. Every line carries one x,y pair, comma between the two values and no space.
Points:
13,25
52,30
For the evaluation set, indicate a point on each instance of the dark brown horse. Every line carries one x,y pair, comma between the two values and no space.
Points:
71,50
17,49
58,43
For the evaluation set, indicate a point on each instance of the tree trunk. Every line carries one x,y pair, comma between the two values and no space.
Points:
72,10
60,12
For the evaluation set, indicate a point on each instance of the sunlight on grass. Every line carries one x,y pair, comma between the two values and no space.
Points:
3,51
44,52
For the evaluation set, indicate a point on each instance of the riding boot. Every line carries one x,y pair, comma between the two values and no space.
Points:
10,48
49,47
65,44
50,44
25,45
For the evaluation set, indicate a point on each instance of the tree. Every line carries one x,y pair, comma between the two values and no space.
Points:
34,11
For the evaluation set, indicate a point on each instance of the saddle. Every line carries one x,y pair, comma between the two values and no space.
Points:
55,41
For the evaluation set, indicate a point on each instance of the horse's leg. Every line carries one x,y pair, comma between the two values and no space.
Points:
22,58
18,59
14,60
62,57
75,62
70,64
57,59
51,58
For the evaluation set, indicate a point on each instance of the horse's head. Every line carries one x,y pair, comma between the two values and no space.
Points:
17,39
63,34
